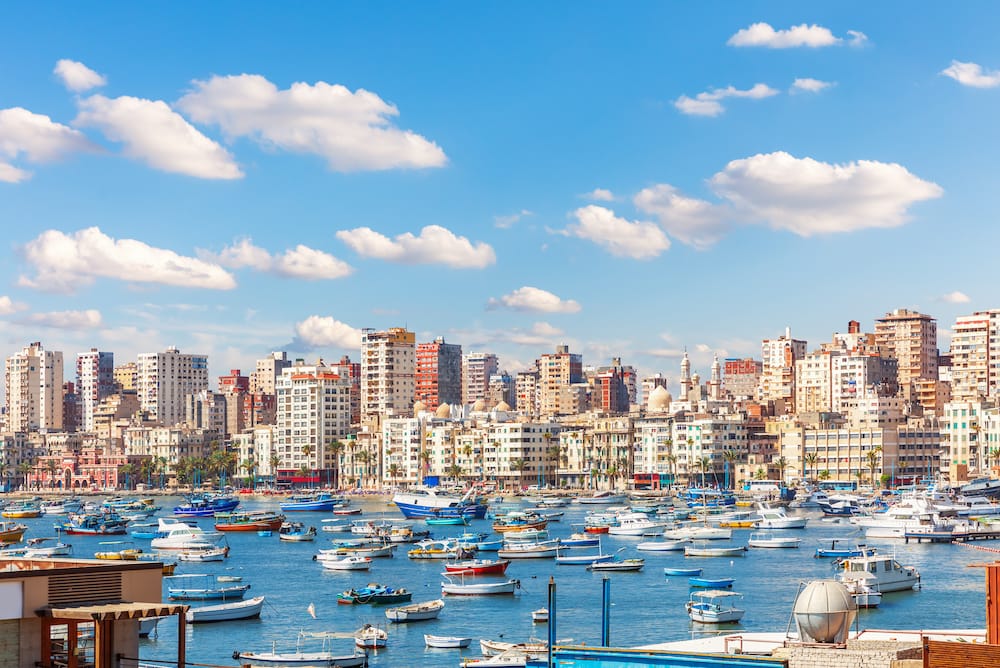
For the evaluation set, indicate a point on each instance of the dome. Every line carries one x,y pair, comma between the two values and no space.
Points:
660,399
419,408
443,411
503,406
824,612
479,406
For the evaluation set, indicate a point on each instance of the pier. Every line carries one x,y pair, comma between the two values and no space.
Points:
951,536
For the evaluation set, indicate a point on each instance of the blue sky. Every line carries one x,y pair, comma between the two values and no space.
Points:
631,179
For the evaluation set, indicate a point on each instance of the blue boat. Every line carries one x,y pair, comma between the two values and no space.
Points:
708,497
206,506
682,571
837,552
144,531
323,501
230,593
94,524
421,503
711,583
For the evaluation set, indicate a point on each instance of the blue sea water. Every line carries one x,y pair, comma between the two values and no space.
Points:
646,607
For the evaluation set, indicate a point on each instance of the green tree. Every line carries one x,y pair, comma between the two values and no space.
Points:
811,459
874,459
824,475
250,466
519,465
781,464
704,463
337,448
364,458
455,471
52,467
24,468
126,471
393,472
731,457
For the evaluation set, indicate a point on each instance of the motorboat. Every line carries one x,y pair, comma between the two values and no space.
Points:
426,502
698,532
61,506
714,606
525,535
348,563
662,545
12,532
708,497
335,525
371,637
224,612
131,553
777,518
206,505
94,524
575,559
175,534
635,524
837,551
908,515
248,521
864,595
479,588
210,554
877,572
144,531
447,520
447,642
438,549
478,567
986,486
415,612
319,501
542,550
324,657
540,615
762,539
618,565
376,551
21,510
376,594
518,521
195,589
699,582
498,647
296,532
579,539
705,551
39,548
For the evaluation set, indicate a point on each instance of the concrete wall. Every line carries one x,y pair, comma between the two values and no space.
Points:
858,654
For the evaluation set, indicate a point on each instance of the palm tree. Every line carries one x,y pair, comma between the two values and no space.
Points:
363,457
394,472
518,465
731,457
874,456
127,470
250,466
337,448
704,463
24,468
455,471
823,475
275,462
811,459
552,453
672,462
52,467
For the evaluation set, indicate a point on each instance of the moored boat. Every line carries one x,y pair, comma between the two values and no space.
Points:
319,501
296,532
462,588
704,551
224,612
761,539
618,565
710,583
348,563
426,502
371,637
248,521
478,567
415,612
690,572
714,607
447,642
94,524
12,532
203,593
175,534
323,657
206,505
879,573
540,615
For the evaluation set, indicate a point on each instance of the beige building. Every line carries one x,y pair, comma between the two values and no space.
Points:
777,379
477,369
126,374
388,372
34,384
164,379
975,356
313,410
558,373
264,379
911,339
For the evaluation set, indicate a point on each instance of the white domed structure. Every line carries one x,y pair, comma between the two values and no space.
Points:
659,400
479,406
503,406
824,612
443,411
419,408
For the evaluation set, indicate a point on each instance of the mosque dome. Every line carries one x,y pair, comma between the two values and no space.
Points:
503,406
660,399
479,406
419,408
443,411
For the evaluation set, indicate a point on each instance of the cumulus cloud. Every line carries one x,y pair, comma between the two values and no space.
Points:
155,134
324,331
708,103
540,334
534,299
637,240
35,138
807,85
78,77
435,245
8,306
299,262
813,36
65,262
504,222
89,319
972,74
353,131
955,297
599,195
695,222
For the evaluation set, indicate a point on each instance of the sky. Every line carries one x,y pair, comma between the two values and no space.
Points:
630,179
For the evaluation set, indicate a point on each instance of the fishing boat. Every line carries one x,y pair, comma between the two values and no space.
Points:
224,612
374,593
319,501
61,506
371,637
21,510
518,521
296,532
497,647
525,535
710,583
204,593
346,511
714,607
206,505
618,565
123,554
489,545
144,531
424,502
94,524
836,550
761,539
446,521
540,615
335,525
320,658
348,563
380,550
210,554
415,612
662,545
462,588
175,534
879,573
447,642
11,532
36,548
478,567
689,572
248,521
705,551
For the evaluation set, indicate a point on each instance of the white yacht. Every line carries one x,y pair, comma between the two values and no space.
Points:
175,534
877,572
635,524
698,532
777,518
907,515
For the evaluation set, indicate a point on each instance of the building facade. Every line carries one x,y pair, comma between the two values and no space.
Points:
388,372
95,381
438,373
164,379
33,381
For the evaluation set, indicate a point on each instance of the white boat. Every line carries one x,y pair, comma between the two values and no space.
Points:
865,595
509,659
214,554
430,502
447,642
777,518
175,534
553,502
662,545
618,565
542,550
877,572
497,647
462,588
704,551
907,515
371,637
761,539
37,549
348,563
321,658
438,549
698,532
61,507
714,606
602,498
379,551
415,612
981,486
635,524
335,525
540,615
582,559
225,612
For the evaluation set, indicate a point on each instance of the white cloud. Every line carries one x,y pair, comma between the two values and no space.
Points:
857,38
693,221
299,262
762,34
8,306
540,334
352,131
503,222
324,331
971,74
435,245
78,77
665,352
37,139
955,297
66,262
637,240
807,85
707,103
703,348
534,299
89,319
155,134
599,195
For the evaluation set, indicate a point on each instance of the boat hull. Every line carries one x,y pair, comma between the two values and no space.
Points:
225,612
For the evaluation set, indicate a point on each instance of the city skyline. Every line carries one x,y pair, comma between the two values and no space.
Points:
628,183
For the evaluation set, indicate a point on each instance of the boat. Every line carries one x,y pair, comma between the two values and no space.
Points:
415,612
335,525
698,532
195,593
371,637
478,567
211,554
346,511
689,572
348,563
602,498
419,503
390,596
21,510
552,502
147,626
145,531
986,486
228,578
777,518
580,540
319,501
445,521
248,521
837,552
375,551
880,573
175,534
525,535
123,554
710,583
518,521
761,539
94,524
714,607
224,612
374,593
489,545
38,549
439,549
321,658
704,551
540,615
296,532
497,647
447,642
662,545
708,497
461,588
582,559
542,550
206,505
635,524
11,532
61,506
618,565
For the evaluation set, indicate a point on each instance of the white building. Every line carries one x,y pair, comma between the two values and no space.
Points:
95,381
975,356
264,379
388,372
777,380
477,369
164,379
34,384
313,410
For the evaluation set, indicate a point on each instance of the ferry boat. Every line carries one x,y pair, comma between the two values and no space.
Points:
430,502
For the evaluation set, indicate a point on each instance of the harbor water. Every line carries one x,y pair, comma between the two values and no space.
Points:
646,607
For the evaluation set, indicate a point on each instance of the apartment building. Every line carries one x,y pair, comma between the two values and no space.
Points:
911,339
33,381
164,379
95,381
741,377
975,356
264,379
438,373
558,372
477,370
777,380
388,370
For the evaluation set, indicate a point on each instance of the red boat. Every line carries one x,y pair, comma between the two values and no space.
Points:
346,511
242,521
478,567
597,528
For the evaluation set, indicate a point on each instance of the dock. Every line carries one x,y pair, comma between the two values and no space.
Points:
951,536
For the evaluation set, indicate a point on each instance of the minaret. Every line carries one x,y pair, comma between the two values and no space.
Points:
685,375
715,384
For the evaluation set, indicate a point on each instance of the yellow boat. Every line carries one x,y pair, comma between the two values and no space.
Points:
128,554
22,510
737,524
11,532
